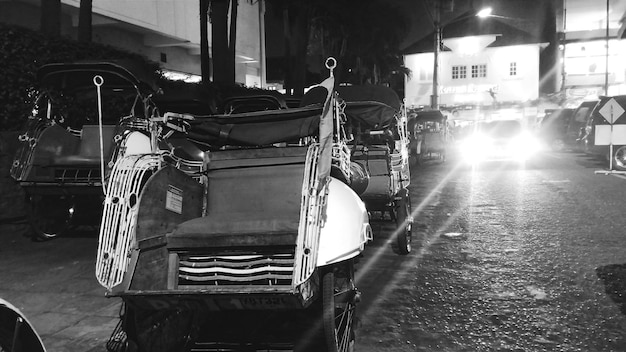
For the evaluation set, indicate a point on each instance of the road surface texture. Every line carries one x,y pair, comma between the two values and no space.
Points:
505,258
511,259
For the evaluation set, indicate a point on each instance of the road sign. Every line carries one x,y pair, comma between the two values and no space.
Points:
611,134
612,111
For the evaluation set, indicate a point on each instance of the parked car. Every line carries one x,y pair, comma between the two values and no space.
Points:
553,128
498,140
599,117
576,130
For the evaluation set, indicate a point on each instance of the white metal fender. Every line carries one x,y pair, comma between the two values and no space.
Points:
136,143
346,229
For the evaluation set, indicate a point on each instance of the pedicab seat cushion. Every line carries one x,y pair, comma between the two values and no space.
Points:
240,230
253,198
89,146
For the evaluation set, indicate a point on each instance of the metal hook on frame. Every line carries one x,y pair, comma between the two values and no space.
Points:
98,81
330,64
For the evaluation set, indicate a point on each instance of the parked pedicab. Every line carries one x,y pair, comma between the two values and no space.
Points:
428,135
58,163
257,253
377,125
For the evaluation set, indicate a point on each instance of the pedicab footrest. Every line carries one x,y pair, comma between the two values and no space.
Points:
241,251
276,300
236,269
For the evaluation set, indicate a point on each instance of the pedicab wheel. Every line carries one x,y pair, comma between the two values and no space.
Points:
151,330
403,221
339,296
49,216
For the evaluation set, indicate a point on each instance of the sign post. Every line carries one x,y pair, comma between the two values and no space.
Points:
610,134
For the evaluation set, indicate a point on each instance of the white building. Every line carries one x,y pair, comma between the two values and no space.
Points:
164,31
484,63
475,77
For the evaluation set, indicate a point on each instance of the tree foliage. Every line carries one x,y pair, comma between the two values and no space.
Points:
23,51
363,36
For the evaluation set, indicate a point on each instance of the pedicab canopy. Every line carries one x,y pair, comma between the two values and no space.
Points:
371,105
117,75
429,115
261,128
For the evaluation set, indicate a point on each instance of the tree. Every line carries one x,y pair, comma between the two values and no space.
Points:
205,63
223,35
84,21
365,39
50,20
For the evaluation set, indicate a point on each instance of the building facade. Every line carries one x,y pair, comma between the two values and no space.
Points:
507,74
164,31
592,53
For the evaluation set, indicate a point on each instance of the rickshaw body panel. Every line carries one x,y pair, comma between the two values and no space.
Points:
346,214
252,207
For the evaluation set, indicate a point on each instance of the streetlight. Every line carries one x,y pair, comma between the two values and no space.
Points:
485,12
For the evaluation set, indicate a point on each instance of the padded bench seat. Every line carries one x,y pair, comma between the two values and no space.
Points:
254,198
240,230
89,146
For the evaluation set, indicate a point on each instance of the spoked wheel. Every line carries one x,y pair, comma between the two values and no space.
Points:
404,221
339,297
50,216
619,159
160,330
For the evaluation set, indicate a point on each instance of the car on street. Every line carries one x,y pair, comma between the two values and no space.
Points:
553,128
576,135
498,140
601,132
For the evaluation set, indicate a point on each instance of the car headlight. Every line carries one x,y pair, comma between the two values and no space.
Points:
524,146
476,147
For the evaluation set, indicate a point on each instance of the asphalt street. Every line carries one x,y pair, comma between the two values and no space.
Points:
506,258
512,258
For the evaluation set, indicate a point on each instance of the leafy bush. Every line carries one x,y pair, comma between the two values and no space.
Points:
23,51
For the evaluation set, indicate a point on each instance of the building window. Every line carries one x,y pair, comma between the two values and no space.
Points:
513,69
479,71
459,72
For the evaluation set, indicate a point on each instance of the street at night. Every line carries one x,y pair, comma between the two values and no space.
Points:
505,258
512,259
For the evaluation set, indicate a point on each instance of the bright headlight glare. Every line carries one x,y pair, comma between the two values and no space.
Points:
524,146
476,147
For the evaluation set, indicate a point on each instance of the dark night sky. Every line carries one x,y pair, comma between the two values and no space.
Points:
524,14
527,15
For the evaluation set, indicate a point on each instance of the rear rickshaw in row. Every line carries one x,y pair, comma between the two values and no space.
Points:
377,125
256,250
86,117
428,135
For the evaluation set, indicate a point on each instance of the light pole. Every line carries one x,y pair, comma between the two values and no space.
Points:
434,98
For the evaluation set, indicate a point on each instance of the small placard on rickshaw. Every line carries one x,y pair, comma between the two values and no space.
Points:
174,199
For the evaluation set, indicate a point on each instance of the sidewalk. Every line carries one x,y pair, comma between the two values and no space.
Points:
53,283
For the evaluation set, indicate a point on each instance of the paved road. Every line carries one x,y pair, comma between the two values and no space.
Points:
510,259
